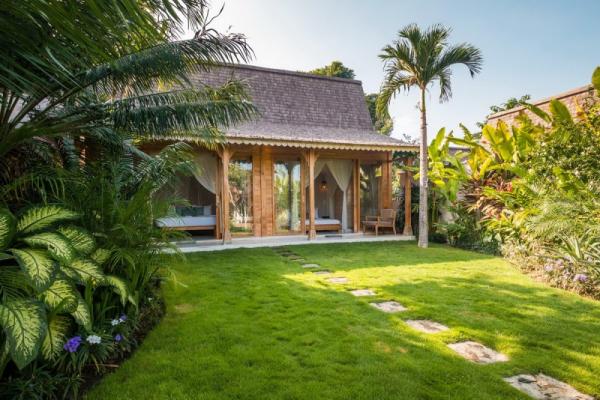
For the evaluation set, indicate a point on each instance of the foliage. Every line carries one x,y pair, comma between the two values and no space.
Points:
335,69
534,188
510,103
111,81
80,256
415,60
382,124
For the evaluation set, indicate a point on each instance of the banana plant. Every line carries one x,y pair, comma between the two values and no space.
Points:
44,259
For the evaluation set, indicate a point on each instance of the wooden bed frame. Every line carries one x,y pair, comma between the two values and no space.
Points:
326,227
192,228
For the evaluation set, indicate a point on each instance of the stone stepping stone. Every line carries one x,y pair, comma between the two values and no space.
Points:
427,326
477,352
362,292
311,266
544,387
389,306
322,272
338,279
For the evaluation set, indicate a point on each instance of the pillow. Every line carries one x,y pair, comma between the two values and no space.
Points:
207,210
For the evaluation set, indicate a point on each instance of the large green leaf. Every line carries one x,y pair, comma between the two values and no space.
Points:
58,246
7,228
38,218
81,240
56,334
560,112
24,324
82,314
596,79
61,295
118,285
100,256
37,265
83,270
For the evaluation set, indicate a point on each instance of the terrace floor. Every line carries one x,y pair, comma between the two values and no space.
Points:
203,244
361,321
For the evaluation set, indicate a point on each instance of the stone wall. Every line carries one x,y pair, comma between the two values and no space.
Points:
573,99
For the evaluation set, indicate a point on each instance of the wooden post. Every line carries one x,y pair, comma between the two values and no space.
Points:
356,191
225,158
312,158
407,199
218,199
387,181
303,194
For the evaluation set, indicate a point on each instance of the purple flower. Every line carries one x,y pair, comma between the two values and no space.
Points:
580,278
549,268
118,337
72,344
123,318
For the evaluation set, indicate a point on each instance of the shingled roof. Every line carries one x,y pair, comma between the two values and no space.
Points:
302,110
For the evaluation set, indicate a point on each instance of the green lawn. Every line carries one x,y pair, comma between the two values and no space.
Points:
252,325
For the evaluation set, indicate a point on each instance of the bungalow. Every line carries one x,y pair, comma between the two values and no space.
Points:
311,162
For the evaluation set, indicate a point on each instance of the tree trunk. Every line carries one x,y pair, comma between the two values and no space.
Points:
423,182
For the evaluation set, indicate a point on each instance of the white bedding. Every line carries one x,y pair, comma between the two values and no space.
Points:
324,221
178,222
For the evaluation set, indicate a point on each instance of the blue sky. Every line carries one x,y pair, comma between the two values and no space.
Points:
529,47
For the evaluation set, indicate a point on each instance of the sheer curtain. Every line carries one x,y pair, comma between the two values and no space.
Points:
342,172
206,171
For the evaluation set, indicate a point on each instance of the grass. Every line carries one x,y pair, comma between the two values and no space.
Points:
251,324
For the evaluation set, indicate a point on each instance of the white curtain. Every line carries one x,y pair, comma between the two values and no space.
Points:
319,165
206,171
342,172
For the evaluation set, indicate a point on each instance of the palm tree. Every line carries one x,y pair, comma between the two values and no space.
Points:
108,72
419,58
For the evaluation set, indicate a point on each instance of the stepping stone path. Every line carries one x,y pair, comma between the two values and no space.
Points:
427,326
311,266
477,352
389,306
362,292
544,387
322,272
338,279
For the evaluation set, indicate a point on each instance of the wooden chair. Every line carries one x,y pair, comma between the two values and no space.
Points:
387,219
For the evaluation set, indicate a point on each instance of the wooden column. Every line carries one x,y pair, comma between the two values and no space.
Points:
257,192
303,194
356,191
218,199
311,159
387,181
225,158
407,199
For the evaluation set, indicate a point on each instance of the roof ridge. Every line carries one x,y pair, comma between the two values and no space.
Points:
293,73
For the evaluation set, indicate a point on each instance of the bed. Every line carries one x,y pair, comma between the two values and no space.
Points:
188,223
325,224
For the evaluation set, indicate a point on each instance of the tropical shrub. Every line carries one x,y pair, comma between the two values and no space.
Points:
80,258
533,188
45,259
